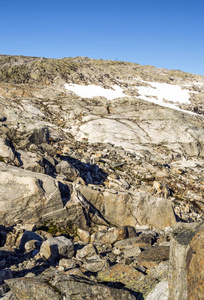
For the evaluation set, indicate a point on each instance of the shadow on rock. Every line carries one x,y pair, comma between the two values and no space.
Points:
90,173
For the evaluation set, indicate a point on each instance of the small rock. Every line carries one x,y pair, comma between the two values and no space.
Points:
153,256
32,245
67,169
67,263
87,251
133,252
95,264
57,247
83,235
114,234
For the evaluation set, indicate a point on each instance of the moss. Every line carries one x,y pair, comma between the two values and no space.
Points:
30,69
118,169
178,198
1,159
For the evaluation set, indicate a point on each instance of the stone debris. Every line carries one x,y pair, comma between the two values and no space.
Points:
99,198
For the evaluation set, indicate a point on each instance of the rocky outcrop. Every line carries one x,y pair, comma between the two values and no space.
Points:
186,275
135,207
195,265
92,188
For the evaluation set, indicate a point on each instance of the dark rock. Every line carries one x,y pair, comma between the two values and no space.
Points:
74,287
32,289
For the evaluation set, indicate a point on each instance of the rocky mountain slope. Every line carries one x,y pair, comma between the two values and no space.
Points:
101,167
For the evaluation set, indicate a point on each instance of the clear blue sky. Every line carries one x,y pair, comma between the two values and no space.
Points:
162,33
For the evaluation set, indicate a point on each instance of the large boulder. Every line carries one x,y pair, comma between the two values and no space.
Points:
74,287
64,287
38,199
27,196
135,208
29,288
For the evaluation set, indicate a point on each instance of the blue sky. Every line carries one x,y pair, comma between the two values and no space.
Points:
162,33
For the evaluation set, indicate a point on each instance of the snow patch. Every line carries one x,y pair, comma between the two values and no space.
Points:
164,91
163,94
159,93
90,91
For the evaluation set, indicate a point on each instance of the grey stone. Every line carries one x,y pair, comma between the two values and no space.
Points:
5,274
57,247
67,169
95,264
86,251
30,288
160,292
80,288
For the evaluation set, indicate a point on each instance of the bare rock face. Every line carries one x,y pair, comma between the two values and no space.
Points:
98,182
195,266
135,208
186,271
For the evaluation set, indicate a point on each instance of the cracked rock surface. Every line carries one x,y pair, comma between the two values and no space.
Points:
99,198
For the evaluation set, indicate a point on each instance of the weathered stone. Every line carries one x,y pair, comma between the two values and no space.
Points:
160,292
121,273
182,234
153,256
39,135
5,149
195,266
83,235
57,247
87,251
67,169
79,288
142,241
29,288
132,252
134,207
95,264
67,263
30,161
114,234
36,198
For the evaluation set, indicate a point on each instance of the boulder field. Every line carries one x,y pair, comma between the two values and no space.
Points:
101,188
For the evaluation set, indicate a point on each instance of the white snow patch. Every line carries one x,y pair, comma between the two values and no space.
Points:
90,91
164,91
159,92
